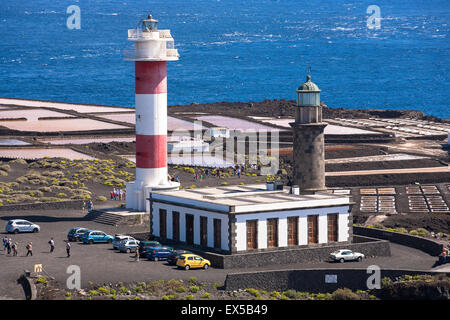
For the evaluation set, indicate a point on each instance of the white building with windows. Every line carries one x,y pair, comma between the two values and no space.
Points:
237,219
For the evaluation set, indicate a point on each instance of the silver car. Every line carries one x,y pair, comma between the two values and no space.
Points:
346,255
129,246
119,238
18,225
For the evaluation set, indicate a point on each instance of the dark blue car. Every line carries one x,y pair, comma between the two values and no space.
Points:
159,253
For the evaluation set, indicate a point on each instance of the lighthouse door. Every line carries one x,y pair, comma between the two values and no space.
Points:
189,229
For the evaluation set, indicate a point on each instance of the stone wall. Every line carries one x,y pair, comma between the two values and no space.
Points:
72,204
426,245
369,247
309,280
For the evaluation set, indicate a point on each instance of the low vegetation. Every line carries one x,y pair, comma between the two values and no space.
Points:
47,180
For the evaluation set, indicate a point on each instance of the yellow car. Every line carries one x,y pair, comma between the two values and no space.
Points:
188,261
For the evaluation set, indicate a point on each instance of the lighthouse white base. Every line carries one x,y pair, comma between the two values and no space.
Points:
137,194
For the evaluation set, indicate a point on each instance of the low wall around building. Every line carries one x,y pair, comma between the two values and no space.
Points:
429,246
72,204
311,280
367,246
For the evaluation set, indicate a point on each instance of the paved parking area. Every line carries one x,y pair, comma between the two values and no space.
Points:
100,264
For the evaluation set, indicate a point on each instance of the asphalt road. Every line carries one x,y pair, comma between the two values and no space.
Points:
101,264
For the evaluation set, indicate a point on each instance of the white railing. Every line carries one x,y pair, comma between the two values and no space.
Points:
130,53
136,34
164,34
172,53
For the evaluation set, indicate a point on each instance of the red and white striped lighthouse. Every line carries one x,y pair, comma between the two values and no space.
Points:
152,49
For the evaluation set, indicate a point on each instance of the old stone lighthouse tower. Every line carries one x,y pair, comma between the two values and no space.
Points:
308,128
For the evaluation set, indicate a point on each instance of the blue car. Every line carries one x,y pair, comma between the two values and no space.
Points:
159,253
96,236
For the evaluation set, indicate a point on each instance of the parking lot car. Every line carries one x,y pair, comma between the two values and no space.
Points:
158,253
19,225
129,246
346,255
174,255
94,236
119,238
145,245
191,261
75,234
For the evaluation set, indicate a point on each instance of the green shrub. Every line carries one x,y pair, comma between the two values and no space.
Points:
42,279
344,294
22,180
93,293
18,161
138,289
104,290
181,289
422,231
5,167
275,294
192,280
194,289
123,290
205,295
101,198
291,294
253,292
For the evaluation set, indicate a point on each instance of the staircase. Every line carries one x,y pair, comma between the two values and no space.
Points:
104,217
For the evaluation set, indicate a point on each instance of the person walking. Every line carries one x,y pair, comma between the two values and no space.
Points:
15,246
29,248
5,243
83,206
52,245
68,248
136,256
8,245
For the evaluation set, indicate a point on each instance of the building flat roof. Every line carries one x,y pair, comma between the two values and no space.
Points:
247,199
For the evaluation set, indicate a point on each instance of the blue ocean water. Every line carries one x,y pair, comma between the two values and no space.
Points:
231,50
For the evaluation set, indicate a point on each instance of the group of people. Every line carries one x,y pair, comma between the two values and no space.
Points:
12,247
89,204
236,170
444,256
117,194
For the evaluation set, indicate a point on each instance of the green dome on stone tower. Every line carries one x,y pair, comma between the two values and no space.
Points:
308,86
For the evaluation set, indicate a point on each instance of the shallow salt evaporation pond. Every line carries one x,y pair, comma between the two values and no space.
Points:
329,129
236,124
54,125
88,140
38,153
82,108
13,142
173,124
